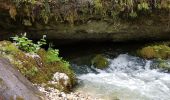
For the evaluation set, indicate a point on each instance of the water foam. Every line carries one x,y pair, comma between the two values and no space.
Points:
127,78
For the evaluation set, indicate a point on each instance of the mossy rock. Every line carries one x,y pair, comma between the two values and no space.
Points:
36,68
155,51
163,65
8,47
100,62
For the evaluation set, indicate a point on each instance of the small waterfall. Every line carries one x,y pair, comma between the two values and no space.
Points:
126,78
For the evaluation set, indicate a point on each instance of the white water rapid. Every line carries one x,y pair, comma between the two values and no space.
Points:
127,78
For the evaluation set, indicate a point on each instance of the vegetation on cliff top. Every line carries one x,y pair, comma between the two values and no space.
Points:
73,11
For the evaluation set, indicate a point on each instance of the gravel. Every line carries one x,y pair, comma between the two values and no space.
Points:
54,94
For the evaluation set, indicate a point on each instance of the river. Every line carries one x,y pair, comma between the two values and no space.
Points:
128,77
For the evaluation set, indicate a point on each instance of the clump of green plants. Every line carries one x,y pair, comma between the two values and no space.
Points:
27,45
53,55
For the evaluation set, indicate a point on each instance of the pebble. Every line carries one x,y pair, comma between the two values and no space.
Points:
54,94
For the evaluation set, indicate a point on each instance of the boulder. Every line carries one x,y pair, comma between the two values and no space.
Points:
100,62
155,51
61,81
14,86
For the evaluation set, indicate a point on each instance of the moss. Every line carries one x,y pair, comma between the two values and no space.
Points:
36,68
8,47
54,67
46,72
82,12
100,62
155,51
163,65
28,66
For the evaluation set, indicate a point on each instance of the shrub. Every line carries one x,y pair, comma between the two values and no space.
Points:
53,55
27,45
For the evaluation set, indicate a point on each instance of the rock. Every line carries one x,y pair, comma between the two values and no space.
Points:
60,81
14,86
55,94
100,62
61,78
155,51
152,25
163,65
35,67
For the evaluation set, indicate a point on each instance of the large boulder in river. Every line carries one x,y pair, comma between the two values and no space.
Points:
100,62
14,86
155,51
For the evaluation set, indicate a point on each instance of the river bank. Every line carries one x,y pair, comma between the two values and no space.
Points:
55,94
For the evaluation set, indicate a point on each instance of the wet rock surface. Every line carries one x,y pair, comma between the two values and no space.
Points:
15,86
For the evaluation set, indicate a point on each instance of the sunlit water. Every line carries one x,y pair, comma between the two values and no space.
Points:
127,78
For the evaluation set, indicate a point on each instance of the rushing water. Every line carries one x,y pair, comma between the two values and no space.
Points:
127,77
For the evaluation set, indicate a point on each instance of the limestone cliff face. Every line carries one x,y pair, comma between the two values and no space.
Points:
69,20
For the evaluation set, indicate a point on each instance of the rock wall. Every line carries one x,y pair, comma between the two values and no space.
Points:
151,23
14,86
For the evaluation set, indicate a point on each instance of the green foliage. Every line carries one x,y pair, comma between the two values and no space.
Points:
75,12
53,55
143,6
27,45
66,63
